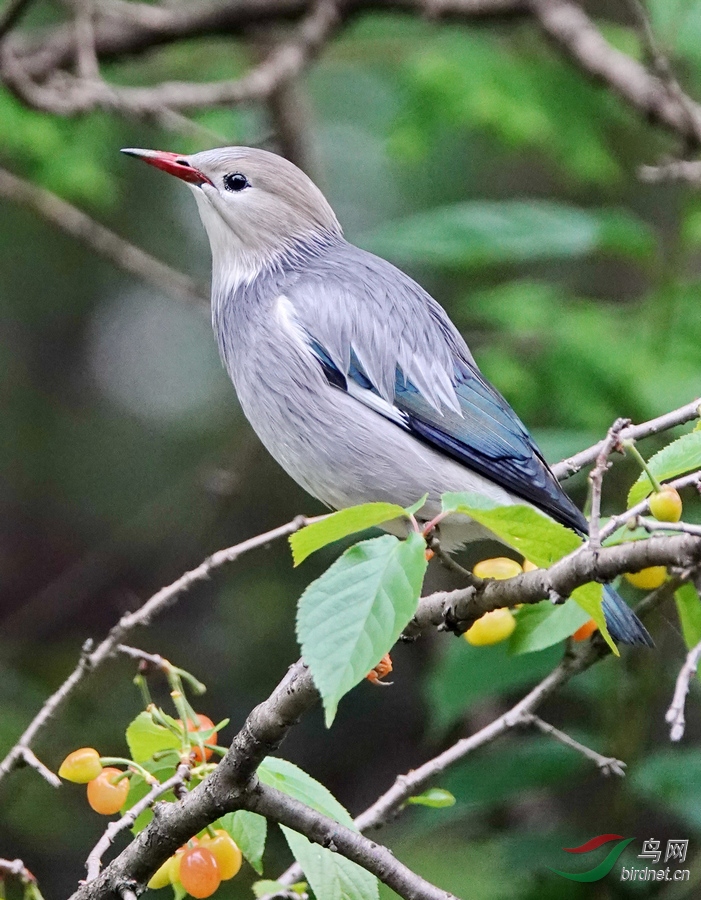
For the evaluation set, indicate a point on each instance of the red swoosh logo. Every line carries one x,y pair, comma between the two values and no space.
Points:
594,843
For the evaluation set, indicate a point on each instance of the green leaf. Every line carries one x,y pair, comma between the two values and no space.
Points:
689,610
541,625
353,614
466,236
538,538
671,779
295,782
436,798
339,525
249,831
265,887
682,455
331,876
145,738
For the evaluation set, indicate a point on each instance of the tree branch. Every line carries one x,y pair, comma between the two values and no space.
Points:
94,860
100,239
463,606
574,32
675,713
608,765
375,858
573,464
91,660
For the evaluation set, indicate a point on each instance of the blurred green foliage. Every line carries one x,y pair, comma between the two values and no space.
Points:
504,180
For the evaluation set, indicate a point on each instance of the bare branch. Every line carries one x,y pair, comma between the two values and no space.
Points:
92,659
675,713
460,608
684,170
123,28
609,765
71,96
573,464
28,758
16,868
596,477
99,238
570,27
94,860
375,858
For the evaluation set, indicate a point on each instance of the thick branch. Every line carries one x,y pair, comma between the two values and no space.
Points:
324,831
584,565
222,792
574,32
123,29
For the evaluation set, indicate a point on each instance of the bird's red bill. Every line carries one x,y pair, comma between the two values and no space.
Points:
172,163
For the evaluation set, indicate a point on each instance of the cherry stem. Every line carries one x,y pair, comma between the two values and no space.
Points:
635,453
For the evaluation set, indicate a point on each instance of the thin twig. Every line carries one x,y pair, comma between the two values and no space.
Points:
609,765
16,868
596,478
640,509
28,757
91,659
100,239
675,713
681,416
683,170
86,59
653,525
94,861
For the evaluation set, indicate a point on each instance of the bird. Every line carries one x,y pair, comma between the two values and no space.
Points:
353,377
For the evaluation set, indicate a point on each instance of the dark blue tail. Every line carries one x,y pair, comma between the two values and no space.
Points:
623,625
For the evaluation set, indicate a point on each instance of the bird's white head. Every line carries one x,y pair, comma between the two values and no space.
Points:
254,205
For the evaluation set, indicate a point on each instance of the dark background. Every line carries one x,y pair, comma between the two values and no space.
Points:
125,459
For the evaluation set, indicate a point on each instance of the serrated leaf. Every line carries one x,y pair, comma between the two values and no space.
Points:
331,876
353,614
682,455
465,236
541,625
538,538
339,525
436,798
145,738
295,782
249,832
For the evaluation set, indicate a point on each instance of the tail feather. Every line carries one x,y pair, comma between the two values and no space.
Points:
623,625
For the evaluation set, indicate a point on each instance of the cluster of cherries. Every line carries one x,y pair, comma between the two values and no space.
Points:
498,625
204,862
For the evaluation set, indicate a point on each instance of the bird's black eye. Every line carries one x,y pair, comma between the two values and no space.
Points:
236,182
